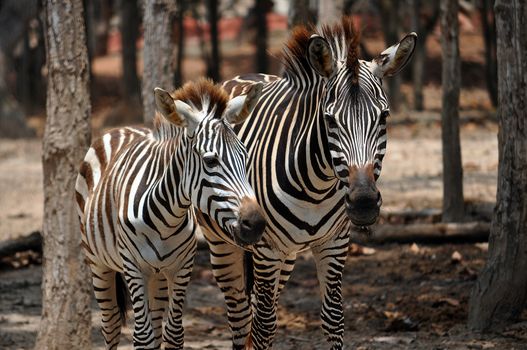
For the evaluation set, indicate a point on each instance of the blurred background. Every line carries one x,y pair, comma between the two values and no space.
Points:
222,39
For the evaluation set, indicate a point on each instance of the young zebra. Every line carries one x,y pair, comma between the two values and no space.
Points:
316,140
135,192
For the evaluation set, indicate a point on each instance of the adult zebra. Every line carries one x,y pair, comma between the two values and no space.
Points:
316,140
135,190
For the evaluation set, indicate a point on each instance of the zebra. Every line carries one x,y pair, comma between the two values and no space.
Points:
136,191
316,140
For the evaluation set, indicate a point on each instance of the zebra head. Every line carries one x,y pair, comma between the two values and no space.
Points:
214,171
355,107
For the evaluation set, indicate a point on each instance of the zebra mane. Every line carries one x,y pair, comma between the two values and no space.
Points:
199,95
341,36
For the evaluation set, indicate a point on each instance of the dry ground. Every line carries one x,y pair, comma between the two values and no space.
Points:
399,297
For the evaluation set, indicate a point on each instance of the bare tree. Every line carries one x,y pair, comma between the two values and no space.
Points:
130,20
424,27
489,35
213,64
391,26
300,13
499,295
14,17
180,18
453,206
330,11
262,8
157,52
66,321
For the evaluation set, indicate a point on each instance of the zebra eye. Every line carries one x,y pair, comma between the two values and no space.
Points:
385,114
211,160
331,121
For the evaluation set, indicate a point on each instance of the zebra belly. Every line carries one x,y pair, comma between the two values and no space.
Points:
156,252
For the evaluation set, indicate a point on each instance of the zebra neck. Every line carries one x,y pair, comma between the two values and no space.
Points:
313,146
168,197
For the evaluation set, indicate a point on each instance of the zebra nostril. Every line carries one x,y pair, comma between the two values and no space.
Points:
246,224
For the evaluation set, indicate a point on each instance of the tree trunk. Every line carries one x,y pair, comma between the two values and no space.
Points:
330,11
489,34
66,286
158,69
261,36
419,58
129,32
390,17
300,13
499,295
178,73
213,66
14,16
453,206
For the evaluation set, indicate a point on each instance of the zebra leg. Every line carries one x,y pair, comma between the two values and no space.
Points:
285,273
103,280
268,266
157,299
137,285
173,334
330,258
228,268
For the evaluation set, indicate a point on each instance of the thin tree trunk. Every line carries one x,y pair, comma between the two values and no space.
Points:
66,286
489,34
157,53
499,295
178,73
129,33
391,23
453,206
261,36
419,58
300,13
213,66
14,16
330,11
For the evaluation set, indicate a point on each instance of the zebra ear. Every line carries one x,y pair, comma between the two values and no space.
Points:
394,58
240,107
320,56
175,111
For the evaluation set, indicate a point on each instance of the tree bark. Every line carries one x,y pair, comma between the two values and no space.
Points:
499,295
14,17
453,206
300,13
489,35
213,66
158,69
178,73
66,286
330,11
391,23
129,33
419,57
261,36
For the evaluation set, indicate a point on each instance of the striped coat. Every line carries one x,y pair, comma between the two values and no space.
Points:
136,191
316,140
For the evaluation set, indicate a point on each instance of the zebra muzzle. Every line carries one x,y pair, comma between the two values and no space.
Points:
251,222
363,199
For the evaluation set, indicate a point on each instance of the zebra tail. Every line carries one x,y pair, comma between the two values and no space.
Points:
249,273
122,296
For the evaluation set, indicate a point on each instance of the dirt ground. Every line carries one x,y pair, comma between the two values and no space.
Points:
396,296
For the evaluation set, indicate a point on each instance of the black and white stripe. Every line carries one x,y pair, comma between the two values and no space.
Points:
315,140
136,191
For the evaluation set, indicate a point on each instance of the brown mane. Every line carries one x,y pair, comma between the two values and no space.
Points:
194,93
295,51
